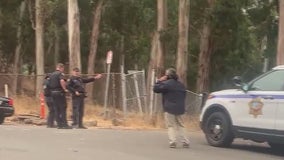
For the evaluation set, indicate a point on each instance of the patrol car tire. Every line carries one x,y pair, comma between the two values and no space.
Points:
218,130
2,118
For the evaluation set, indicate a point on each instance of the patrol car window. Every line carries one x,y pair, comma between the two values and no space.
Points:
273,81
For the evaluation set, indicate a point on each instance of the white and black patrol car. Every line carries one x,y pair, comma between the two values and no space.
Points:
255,111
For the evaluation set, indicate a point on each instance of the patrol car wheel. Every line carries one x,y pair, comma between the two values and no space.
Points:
218,131
2,119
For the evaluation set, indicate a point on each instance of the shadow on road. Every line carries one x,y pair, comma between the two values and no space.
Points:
258,149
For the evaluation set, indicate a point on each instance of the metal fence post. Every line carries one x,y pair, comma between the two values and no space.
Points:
144,92
137,94
108,62
113,96
123,90
6,90
106,92
151,92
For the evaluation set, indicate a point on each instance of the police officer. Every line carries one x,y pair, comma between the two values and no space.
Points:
49,102
58,90
76,86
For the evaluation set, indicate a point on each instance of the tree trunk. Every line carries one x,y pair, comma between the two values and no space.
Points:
182,50
39,46
74,35
1,23
161,26
204,60
94,42
49,50
158,47
1,18
206,50
152,62
280,48
18,48
56,46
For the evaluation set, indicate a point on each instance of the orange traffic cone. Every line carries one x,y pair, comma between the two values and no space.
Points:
42,107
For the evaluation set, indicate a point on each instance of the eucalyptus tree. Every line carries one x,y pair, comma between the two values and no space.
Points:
97,14
236,45
182,49
158,50
74,35
39,49
280,48
206,50
18,49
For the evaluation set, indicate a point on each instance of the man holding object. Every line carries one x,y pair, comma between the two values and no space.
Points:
173,100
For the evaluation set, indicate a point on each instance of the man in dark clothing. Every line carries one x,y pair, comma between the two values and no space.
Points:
58,90
76,86
49,102
173,100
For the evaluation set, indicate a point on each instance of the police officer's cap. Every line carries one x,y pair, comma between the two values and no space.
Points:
76,69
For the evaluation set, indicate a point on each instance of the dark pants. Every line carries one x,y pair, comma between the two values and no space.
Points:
78,110
60,106
51,111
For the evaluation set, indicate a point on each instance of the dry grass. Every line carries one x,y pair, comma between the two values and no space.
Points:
28,105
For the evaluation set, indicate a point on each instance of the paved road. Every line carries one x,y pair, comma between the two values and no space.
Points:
39,143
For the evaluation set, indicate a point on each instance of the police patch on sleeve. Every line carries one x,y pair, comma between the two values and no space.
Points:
255,107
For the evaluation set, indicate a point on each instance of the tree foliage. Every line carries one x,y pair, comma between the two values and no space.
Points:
244,32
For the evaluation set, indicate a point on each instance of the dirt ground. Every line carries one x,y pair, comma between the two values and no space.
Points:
27,111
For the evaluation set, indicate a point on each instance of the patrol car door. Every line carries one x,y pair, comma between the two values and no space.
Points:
257,110
279,123
280,115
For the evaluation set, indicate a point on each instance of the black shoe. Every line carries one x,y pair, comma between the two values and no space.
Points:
65,127
50,126
173,145
82,127
185,145
79,127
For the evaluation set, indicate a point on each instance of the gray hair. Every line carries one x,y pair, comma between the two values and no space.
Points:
171,73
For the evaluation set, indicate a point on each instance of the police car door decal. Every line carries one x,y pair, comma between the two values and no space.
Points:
255,107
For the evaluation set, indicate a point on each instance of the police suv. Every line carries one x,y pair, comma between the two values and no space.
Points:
255,111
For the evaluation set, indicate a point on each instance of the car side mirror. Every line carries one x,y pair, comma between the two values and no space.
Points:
245,88
237,81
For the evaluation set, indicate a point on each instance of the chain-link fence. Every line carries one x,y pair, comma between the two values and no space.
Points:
135,91
193,103
127,92
19,84
138,100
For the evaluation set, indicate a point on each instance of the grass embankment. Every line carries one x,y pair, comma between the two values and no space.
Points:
94,113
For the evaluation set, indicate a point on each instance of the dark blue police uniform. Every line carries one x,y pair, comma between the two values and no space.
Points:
49,102
59,99
76,83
